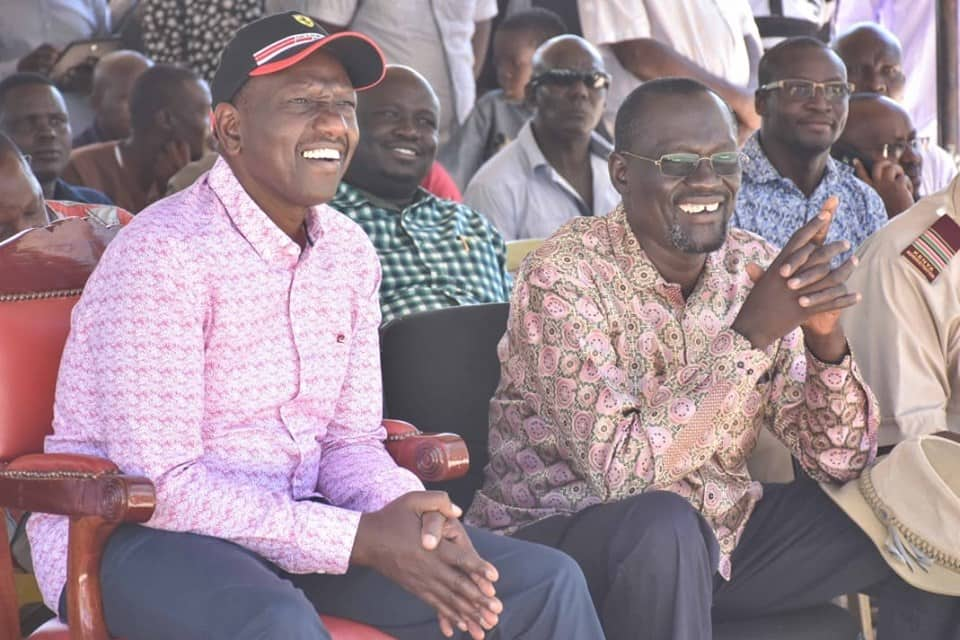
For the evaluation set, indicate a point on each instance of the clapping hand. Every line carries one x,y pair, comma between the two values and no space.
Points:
800,288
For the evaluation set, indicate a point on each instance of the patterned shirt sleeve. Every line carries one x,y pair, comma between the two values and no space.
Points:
356,471
139,331
824,413
623,443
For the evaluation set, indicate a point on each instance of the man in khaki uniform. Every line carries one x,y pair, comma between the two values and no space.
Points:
905,334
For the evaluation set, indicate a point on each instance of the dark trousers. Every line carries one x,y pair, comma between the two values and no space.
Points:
651,562
159,585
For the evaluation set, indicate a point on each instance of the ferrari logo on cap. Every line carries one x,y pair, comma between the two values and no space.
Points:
306,21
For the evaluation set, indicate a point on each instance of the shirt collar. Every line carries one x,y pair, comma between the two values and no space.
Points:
535,158
760,169
359,195
267,239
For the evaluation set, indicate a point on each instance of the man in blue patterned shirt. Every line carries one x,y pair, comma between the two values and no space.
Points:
434,253
802,100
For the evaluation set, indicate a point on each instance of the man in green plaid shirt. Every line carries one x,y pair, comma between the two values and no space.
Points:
434,253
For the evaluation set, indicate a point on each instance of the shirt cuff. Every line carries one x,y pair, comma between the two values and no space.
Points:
731,347
326,536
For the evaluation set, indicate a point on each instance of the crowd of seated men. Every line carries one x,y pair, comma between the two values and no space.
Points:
740,232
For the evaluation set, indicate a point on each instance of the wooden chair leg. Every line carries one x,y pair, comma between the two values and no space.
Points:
859,606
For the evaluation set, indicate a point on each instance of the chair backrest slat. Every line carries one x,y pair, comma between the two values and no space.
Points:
440,369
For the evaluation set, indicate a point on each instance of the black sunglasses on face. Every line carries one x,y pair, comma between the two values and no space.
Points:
569,77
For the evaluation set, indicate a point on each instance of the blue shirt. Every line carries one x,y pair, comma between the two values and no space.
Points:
75,193
773,207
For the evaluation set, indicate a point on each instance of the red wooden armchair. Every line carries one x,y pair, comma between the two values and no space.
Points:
42,272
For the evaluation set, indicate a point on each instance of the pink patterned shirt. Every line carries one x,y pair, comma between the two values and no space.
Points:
237,372
613,384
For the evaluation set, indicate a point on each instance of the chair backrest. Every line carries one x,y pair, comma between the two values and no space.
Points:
42,272
517,250
440,369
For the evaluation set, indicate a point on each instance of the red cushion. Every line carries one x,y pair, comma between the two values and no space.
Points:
339,628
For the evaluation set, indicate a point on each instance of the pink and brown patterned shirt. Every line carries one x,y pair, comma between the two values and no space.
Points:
613,384
238,372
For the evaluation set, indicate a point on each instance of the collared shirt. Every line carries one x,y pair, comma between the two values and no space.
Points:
905,332
613,384
720,36
434,37
493,123
525,197
63,190
238,372
27,24
773,207
434,253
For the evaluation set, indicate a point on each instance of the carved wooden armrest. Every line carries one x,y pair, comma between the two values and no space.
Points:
97,498
434,457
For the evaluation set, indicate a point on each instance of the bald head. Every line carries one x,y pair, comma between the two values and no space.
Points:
113,80
873,58
562,51
879,128
398,122
21,198
397,77
568,89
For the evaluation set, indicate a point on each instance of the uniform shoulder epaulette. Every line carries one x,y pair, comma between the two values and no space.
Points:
931,252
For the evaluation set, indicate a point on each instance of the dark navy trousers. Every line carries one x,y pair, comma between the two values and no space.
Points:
161,585
651,564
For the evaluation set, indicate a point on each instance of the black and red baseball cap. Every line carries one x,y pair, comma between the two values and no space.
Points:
281,40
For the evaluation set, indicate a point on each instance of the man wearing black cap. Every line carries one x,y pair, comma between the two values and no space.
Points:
226,348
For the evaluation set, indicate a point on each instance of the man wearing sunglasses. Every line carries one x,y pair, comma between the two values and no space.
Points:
803,100
880,142
644,353
556,169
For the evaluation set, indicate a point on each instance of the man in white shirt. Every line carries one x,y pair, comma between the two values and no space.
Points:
781,19
443,40
556,169
713,41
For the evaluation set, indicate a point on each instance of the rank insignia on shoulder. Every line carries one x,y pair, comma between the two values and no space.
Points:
932,250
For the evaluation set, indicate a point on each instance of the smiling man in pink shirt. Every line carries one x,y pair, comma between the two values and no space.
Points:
226,348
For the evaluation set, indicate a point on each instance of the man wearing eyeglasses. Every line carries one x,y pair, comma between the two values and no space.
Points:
880,142
874,60
644,353
556,168
803,101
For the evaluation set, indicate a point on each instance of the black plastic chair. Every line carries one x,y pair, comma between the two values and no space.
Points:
440,369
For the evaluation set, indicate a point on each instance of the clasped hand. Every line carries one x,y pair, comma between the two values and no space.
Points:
417,542
800,288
